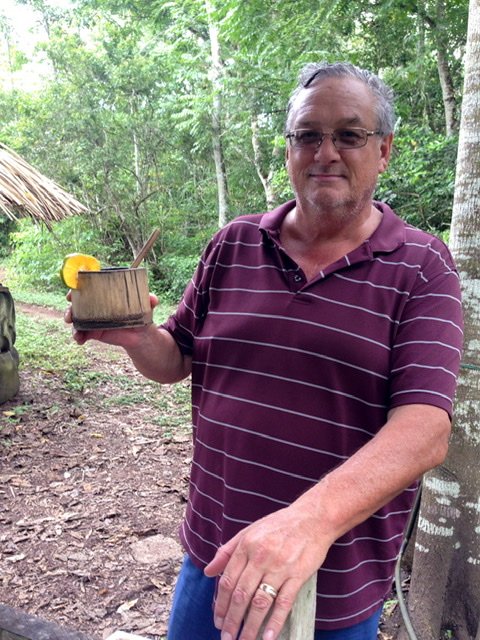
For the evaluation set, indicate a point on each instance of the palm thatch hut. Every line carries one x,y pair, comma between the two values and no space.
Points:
24,191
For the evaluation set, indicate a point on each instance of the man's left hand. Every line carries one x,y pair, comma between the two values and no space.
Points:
280,551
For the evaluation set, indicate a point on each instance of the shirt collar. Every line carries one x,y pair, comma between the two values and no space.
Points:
271,222
388,236
390,233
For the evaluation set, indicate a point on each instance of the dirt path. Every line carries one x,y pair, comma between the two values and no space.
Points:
38,311
93,484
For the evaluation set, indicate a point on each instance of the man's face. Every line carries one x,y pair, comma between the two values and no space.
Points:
339,182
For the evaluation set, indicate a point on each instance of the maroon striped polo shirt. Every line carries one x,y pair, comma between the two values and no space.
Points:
290,378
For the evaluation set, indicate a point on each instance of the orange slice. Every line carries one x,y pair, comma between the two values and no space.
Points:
75,262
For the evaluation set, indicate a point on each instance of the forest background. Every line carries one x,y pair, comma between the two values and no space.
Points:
171,114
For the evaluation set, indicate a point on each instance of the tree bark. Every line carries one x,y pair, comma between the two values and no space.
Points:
445,586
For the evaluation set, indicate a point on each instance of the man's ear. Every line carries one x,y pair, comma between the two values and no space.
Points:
385,152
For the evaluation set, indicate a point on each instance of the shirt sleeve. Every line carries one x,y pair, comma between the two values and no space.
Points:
428,344
185,323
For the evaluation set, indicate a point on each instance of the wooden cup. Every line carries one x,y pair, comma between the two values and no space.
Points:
113,298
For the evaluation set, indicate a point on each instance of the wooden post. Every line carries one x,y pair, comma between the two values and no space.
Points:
300,623
18,625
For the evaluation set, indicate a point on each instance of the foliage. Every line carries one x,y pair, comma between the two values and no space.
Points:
420,181
176,272
38,252
402,40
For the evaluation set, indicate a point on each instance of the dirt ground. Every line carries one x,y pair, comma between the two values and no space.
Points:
92,493
91,497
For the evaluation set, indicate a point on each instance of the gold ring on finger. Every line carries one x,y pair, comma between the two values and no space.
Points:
267,588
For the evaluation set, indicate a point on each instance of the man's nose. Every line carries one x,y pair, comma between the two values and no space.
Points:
326,146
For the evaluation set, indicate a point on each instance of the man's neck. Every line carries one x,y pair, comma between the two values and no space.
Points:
311,227
316,245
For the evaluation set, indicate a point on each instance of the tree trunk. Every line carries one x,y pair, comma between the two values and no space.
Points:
216,74
266,178
136,165
445,589
439,28
446,82
421,69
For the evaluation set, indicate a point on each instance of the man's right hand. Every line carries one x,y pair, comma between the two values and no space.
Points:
126,338
153,350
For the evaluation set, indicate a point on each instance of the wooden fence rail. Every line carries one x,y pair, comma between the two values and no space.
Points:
301,621
18,625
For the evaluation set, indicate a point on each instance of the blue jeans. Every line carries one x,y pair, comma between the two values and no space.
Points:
191,617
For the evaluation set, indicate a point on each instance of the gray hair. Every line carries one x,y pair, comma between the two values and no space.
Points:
320,70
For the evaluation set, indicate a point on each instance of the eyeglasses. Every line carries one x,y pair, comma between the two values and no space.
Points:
352,138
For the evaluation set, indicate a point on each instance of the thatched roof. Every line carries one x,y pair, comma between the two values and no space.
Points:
24,191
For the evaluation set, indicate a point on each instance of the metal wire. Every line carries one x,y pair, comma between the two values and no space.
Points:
398,581
473,367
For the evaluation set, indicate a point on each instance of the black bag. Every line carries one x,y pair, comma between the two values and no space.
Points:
9,380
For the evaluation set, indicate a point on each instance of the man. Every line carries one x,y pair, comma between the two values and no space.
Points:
323,339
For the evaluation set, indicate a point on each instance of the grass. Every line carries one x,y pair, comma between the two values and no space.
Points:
47,344
174,410
46,348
